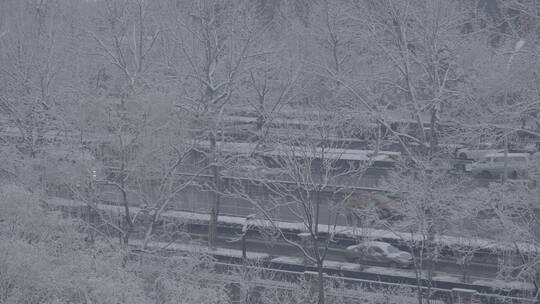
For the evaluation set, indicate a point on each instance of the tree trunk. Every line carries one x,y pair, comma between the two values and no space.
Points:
320,282
320,260
433,133
377,138
260,118
431,253
214,213
127,215
418,262
505,173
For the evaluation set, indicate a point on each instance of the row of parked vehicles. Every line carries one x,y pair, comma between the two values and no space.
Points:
486,159
494,164
490,160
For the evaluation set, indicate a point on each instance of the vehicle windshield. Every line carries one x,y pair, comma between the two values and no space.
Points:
392,249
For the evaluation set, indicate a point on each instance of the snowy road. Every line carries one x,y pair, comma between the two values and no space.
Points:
280,248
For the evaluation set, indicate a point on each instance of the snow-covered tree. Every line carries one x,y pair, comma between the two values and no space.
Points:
207,46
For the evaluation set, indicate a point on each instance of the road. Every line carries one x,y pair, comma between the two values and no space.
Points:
446,270
194,199
281,248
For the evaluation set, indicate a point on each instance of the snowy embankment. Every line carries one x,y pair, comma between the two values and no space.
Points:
198,249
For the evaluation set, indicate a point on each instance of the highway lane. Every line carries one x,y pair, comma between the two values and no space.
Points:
277,247
370,280
281,248
231,226
194,199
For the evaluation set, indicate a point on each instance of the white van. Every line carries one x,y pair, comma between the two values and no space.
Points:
492,165
478,152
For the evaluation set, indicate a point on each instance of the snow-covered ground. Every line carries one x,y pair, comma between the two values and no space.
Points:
500,284
193,248
327,264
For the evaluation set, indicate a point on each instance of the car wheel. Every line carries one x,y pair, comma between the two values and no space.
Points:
462,155
485,174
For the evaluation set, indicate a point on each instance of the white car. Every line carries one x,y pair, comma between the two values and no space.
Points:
492,165
379,253
478,152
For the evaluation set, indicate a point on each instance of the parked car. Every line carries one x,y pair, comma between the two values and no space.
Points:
522,148
380,253
478,152
492,165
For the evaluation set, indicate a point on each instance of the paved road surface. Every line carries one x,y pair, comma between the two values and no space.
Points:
280,248
195,200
